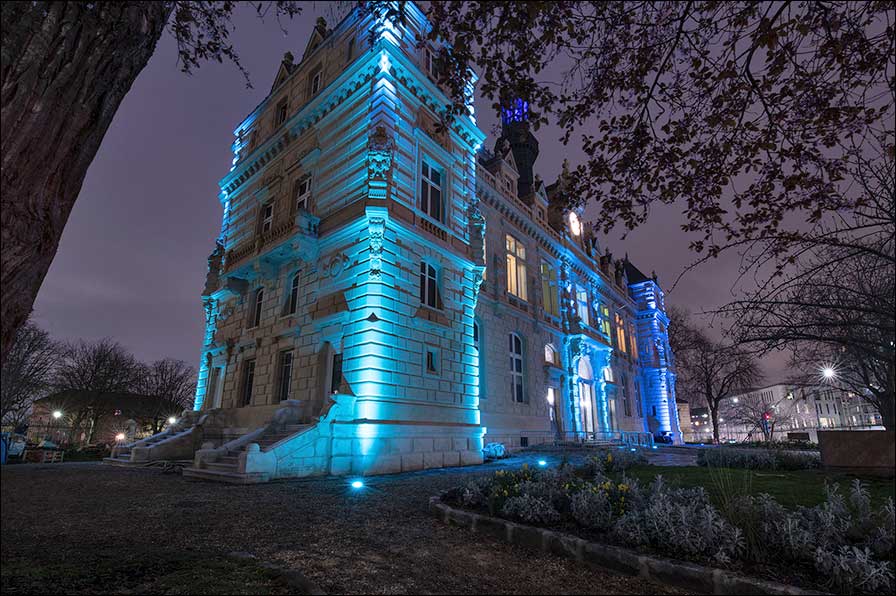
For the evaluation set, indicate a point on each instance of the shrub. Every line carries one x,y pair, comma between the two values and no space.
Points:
758,459
531,510
613,461
853,569
592,510
680,522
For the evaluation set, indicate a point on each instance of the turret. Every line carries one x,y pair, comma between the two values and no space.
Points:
515,130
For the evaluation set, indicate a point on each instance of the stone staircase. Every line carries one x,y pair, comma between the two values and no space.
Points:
122,455
226,466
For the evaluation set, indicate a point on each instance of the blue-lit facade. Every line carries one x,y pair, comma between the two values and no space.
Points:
359,313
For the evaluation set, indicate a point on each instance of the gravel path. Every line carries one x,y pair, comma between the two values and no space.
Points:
379,539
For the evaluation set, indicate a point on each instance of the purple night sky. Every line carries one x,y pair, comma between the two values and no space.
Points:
132,261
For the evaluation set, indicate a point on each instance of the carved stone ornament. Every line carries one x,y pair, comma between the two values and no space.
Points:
376,227
379,154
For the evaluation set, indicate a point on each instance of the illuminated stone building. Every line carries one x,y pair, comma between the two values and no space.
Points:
389,295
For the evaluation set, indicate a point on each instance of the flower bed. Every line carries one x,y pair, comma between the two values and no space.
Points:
841,544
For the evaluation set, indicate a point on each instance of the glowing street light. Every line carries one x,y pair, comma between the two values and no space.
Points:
57,414
828,372
172,420
119,437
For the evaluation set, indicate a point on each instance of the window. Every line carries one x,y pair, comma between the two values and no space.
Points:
620,333
336,373
431,191
516,268
293,302
608,374
476,337
257,303
429,286
552,405
315,83
429,63
351,50
284,384
281,112
605,320
248,381
638,406
267,218
302,193
582,304
550,355
626,404
432,361
632,340
516,368
549,289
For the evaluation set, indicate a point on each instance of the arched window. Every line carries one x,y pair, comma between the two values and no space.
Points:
550,355
257,304
293,302
429,286
516,368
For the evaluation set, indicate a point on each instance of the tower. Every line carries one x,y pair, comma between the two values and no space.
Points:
516,132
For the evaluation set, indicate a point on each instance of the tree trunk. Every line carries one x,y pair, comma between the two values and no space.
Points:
66,67
714,416
887,409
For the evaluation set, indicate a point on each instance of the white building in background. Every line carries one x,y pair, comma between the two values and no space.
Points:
791,411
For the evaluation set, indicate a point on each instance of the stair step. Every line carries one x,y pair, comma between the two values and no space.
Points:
228,459
222,476
221,467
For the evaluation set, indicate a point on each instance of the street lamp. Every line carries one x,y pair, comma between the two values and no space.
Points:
828,372
172,420
57,414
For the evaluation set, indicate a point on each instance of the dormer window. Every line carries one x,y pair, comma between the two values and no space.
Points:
314,85
575,225
281,112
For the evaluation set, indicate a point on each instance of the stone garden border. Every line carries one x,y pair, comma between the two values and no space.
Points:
688,576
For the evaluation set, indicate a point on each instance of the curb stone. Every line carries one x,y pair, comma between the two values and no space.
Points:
290,578
677,574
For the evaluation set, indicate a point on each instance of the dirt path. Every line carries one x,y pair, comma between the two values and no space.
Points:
379,539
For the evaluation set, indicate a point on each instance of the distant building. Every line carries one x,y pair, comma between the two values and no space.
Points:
789,411
684,418
82,417
701,426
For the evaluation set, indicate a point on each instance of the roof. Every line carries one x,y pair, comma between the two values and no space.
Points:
634,275
129,404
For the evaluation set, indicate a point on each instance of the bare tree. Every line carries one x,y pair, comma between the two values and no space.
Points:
27,373
836,305
757,413
66,67
94,369
709,370
171,380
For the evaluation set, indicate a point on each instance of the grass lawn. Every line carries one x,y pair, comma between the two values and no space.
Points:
790,488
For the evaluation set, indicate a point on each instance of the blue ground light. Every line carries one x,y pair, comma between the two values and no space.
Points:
542,463
357,484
